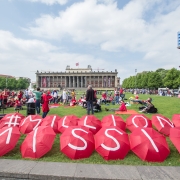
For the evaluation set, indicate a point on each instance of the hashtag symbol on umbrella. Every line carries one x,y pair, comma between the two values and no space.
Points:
11,122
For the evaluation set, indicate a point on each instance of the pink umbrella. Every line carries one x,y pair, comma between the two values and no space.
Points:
149,145
174,136
91,122
66,121
9,137
112,120
11,120
176,120
77,142
112,143
138,120
162,124
52,121
38,142
30,123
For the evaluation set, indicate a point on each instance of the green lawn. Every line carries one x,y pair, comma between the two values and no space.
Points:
166,106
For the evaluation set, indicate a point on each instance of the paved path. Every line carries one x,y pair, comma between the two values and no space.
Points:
22,169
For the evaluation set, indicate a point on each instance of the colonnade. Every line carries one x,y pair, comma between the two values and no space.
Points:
76,81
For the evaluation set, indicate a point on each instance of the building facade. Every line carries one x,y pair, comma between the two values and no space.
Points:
77,79
178,40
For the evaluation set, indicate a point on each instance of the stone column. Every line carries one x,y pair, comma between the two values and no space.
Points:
73,81
90,79
94,81
61,81
69,81
77,81
81,81
115,81
102,81
85,81
65,81
98,82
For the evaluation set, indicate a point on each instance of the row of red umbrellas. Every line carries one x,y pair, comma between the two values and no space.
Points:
111,142
78,142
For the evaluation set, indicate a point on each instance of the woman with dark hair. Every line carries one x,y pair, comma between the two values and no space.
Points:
149,107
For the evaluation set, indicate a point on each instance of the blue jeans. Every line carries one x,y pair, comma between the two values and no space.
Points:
38,106
44,114
90,107
117,99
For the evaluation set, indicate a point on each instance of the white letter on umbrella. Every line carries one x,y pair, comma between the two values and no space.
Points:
75,135
85,121
160,121
150,139
133,121
9,134
114,139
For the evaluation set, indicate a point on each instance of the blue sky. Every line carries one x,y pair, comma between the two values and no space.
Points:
106,34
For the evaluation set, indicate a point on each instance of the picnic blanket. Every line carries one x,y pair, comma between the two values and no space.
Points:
129,111
54,105
69,106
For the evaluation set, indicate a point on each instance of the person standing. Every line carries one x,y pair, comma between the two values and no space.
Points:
116,92
89,99
45,106
64,96
38,95
55,96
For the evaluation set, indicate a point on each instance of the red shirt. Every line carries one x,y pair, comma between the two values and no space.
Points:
121,91
4,95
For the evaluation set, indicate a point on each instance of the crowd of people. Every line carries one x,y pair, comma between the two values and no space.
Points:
88,100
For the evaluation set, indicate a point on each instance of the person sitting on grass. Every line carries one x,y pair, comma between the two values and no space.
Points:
17,105
149,107
122,107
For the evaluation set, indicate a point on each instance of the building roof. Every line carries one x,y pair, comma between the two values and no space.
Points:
4,75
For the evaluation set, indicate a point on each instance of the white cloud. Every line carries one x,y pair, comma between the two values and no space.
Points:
19,57
50,2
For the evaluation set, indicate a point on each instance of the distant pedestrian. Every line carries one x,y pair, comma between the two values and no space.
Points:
89,99
38,95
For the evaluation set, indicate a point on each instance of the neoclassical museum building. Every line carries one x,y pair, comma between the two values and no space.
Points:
78,78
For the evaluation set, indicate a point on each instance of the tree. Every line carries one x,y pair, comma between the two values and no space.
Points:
172,79
154,80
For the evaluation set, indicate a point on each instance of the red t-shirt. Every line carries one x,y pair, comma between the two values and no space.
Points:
4,95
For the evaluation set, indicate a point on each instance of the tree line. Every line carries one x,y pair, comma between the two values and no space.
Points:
154,79
13,83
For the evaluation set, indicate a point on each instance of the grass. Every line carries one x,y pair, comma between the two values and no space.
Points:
166,106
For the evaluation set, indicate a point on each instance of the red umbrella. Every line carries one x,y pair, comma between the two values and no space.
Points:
66,121
91,122
38,142
162,124
52,121
30,123
112,143
112,120
149,145
9,137
176,120
77,142
11,120
138,120
174,136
